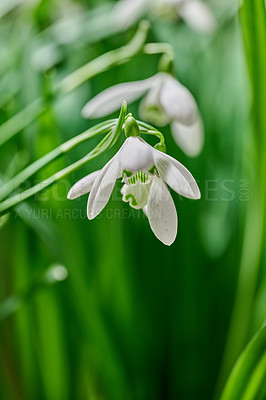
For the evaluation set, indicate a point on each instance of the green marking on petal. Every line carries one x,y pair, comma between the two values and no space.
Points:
136,195
153,171
132,200
128,174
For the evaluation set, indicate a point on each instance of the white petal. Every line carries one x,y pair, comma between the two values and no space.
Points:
83,186
197,15
178,102
103,187
161,212
150,108
126,12
189,138
136,155
145,211
176,175
111,99
136,195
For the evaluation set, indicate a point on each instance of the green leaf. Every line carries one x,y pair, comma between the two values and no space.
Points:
248,375
107,142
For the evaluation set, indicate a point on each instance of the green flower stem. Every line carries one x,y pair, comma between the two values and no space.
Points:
105,61
64,148
159,48
17,199
115,57
8,204
93,68
150,130
107,142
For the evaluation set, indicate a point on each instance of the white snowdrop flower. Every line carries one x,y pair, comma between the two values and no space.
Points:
146,172
195,13
166,101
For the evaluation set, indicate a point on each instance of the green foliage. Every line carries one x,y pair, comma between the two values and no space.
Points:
129,319
247,380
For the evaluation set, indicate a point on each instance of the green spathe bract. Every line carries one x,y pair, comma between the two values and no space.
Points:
131,127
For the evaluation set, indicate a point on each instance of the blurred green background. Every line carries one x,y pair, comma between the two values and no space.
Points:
101,310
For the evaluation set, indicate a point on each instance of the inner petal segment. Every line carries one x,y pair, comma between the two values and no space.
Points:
136,195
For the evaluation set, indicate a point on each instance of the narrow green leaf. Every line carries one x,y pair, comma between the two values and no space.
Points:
64,148
107,142
248,374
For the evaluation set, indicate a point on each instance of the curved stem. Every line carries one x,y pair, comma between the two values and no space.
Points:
64,148
105,61
107,142
150,130
159,48
93,68
8,204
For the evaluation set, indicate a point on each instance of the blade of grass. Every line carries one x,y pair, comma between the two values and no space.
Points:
107,142
253,20
93,68
64,148
249,371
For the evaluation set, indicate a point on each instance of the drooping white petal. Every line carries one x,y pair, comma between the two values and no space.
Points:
176,175
189,138
111,99
178,102
161,212
103,187
126,12
145,211
136,155
198,16
150,108
83,186
136,195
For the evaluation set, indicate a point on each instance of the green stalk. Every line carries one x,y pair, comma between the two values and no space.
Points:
106,143
64,148
150,130
105,61
93,68
254,33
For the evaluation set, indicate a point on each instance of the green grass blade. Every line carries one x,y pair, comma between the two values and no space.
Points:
249,371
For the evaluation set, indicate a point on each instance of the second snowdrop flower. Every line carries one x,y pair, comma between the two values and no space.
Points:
166,101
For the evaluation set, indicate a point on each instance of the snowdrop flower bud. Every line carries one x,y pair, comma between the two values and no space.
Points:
146,172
